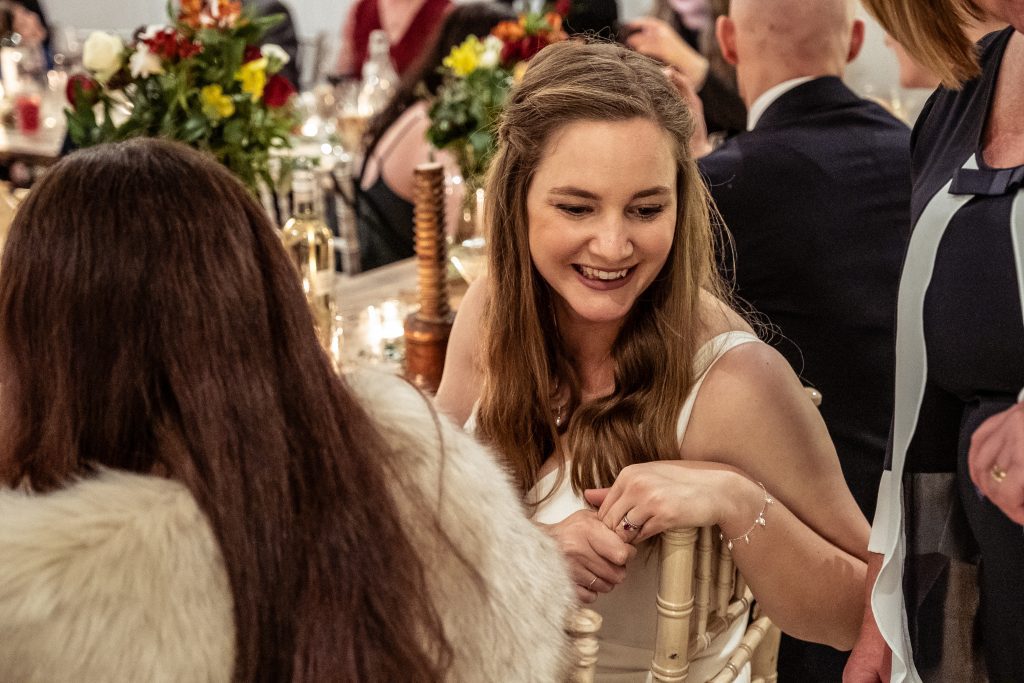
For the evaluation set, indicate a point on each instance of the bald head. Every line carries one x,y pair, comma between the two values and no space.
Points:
776,40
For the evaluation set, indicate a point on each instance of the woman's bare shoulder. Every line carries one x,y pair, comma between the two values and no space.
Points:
463,369
718,317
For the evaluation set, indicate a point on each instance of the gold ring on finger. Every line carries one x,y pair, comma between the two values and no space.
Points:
998,473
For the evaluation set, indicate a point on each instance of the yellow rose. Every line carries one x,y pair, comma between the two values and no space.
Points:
253,77
216,105
464,59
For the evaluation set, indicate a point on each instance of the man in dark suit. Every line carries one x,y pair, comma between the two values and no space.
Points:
817,197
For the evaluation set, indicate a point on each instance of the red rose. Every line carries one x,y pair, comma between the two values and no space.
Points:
278,91
83,89
187,48
252,53
164,44
562,7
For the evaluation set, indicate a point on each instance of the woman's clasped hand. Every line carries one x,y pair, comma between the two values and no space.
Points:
596,555
646,499
649,498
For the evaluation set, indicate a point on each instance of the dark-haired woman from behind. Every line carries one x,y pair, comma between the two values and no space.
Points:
196,496
397,142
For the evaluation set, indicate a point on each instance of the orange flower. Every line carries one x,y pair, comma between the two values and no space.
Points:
509,31
190,11
229,12
554,20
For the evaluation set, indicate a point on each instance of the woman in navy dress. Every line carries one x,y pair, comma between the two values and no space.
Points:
947,530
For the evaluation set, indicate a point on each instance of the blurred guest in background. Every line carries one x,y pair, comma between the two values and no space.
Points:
397,143
947,531
817,198
410,25
196,495
681,35
913,74
28,20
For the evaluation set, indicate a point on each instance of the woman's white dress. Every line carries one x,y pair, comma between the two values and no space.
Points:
628,630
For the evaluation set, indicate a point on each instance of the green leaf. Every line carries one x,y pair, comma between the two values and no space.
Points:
234,132
194,129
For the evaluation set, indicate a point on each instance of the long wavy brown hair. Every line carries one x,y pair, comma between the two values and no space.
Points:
525,359
934,33
152,322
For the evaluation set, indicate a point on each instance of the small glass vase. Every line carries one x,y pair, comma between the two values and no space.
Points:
467,253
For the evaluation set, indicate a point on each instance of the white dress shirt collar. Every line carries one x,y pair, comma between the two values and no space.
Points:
768,97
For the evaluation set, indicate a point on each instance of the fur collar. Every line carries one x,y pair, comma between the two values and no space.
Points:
119,577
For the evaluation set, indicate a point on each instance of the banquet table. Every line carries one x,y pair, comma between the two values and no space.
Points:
388,289
353,294
41,148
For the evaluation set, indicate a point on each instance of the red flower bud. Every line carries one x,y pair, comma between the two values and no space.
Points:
278,91
187,48
562,7
82,89
252,53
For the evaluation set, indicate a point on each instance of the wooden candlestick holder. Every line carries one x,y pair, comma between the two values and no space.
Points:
427,330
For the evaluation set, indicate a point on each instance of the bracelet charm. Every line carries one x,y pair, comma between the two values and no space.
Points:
759,521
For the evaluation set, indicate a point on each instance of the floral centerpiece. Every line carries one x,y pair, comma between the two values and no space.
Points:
203,80
477,77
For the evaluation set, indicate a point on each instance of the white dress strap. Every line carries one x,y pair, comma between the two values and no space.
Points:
706,357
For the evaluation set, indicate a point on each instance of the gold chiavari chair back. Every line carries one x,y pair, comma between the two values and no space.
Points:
701,595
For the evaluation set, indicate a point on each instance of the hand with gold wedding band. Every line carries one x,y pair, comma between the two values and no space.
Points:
996,461
596,556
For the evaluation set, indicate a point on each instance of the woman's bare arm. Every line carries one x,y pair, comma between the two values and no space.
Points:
807,565
461,383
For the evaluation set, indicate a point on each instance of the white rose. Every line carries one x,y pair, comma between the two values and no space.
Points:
275,53
144,63
152,31
103,55
491,55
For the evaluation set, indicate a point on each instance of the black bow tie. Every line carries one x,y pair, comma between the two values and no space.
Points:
988,182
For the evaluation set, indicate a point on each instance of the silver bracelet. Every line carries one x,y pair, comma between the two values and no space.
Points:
757,522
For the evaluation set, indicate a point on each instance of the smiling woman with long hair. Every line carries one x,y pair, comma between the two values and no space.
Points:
196,495
620,390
